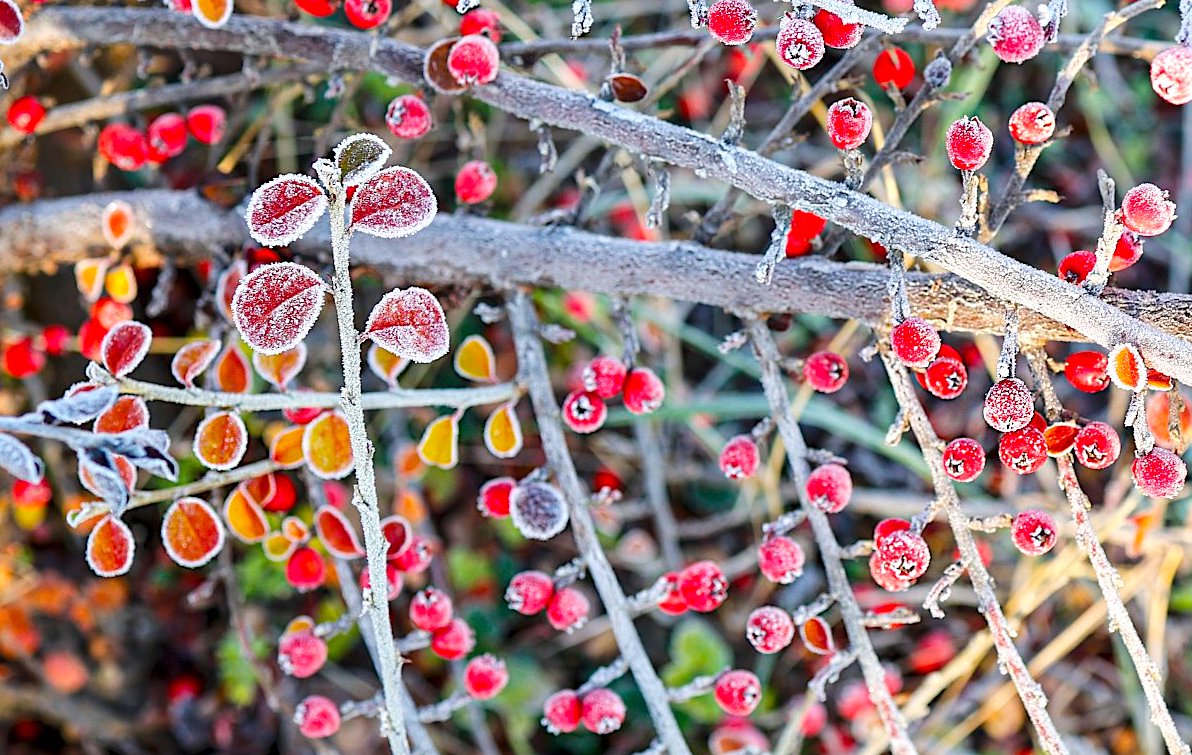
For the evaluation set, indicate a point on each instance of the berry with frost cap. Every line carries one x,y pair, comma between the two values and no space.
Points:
732,21
1147,211
780,559
1033,532
1009,405
769,629
963,459
739,458
1015,34
968,142
800,44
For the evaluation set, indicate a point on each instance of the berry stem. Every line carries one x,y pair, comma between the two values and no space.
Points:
1111,233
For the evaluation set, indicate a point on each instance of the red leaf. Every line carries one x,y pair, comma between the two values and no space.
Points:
125,346
411,324
394,203
225,287
11,22
127,413
192,359
276,305
336,533
284,209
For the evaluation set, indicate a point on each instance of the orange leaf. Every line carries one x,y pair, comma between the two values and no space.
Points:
121,283
1156,380
191,532
212,13
336,533
117,222
817,636
408,463
278,547
1126,367
110,547
502,432
286,448
295,530
192,359
244,517
474,360
279,369
409,504
439,444
89,275
259,489
127,413
327,446
231,371
221,440
1060,437
386,365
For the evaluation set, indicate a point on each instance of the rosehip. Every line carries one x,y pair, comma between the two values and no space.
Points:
769,629
529,592
485,676
21,358
475,182
946,378
604,376
968,143
1097,445
780,559
25,113
1016,35
731,21
849,122
1009,405
568,610
207,123
1171,75
603,711
367,14
167,135
123,146
1160,473
1147,211
301,654
453,641
829,488
538,510
1126,253
1076,266
825,371
672,603
703,586
408,117
1033,532
893,67
800,44
481,21
903,554
584,412
493,500
1088,371
738,692
884,578
431,610
739,457
643,391
915,342
1032,123
474,59
305,569
1023,451
964,459
838,34
561,712
317,717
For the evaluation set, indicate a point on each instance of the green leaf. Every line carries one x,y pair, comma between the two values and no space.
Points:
696,650
359,157
237,677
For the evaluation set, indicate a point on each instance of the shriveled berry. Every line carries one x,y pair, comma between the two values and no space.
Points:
474,59
1147,211
769,629
825,371
529,592
829,488
1032,123
703,586
1023,450
643,391
562,711
1033,532
968,143
884,577
1127,251
317,717
672,603
1009,405
408,117
849,122
568,610
1160,473
1097,445
538,510
604,376
475,182
301,654
946,377
1171,74
915,342
431,610
739,457
799,43
838,34
603,711
903,554
25,113
493,500
207,123
1016,35
485,676
481,21
453,641
964,459
731,21
738,692
780,559
1088,371
1076,266
584,412
893,67
367,14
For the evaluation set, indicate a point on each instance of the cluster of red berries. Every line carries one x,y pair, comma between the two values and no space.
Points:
900,555
584,409
601,711
130,149
25,356
363,14
700,587
532,592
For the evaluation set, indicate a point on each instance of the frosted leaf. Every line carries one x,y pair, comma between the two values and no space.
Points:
127,413
411,324
225,287
192,359
284,209
279,369
395,203
99,469
110,547
191,532
359,157
220,441
82,402
12,23
19,461
125,346
276,305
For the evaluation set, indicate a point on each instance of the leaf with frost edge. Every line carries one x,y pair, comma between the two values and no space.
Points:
367,170
304,326
298,230
171,512
393,232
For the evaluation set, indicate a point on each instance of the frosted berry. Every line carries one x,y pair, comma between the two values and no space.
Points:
584,412
1023,450
604,376
538,510
317,717
800,44
561,712
603,711
207,123
453,641
1032,123
1097,445
167,135
1076,266
893,67
301,654
481,21
968,143
884,578
738,692
529,592
1171,75
1126,253
915,342
1147,211
849,122
829,488
123,146
431,610
825,371
367,14
493,500
838,34
1088,371
946,378
408,117
903,554
672,603
1009,405
474,59
416,558
568,610
1160,473
780,559
731,21
643,391
963,459
1033,532
1016,35
703,586
25,113
485,676
769,629
887,527
739,457
475,182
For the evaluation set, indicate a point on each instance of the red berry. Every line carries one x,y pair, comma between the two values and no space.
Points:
1147,211
606,479
884,578
474,59
968,143
408,117
529,592
584,412
1126,253
946,378
604,376
1171,75
829,488
561,712
603,711
887,527
485,676
1015,34
915,342
731,21
1009,405
318,8
739,458
838,34
1023,451
807,224
302,416
475,182
481,21
317,717
780,559
207,123
1097,445
945,352
431,610
123,146
415,558
301,654
1088,371
849,122
109,312
1160,473
538,510
1033,532
672,603
703,586
825,371
568,610
306,570
1076,266
493,500
453,641
643,391
167,135
964,459
393,580
893,67
22,358
903,554
932,652
738,692
769,629
1032,123
33,494
367,14
800,44
25,113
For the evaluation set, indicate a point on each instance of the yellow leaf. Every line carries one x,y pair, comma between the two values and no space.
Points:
439,444
474,360
502,432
